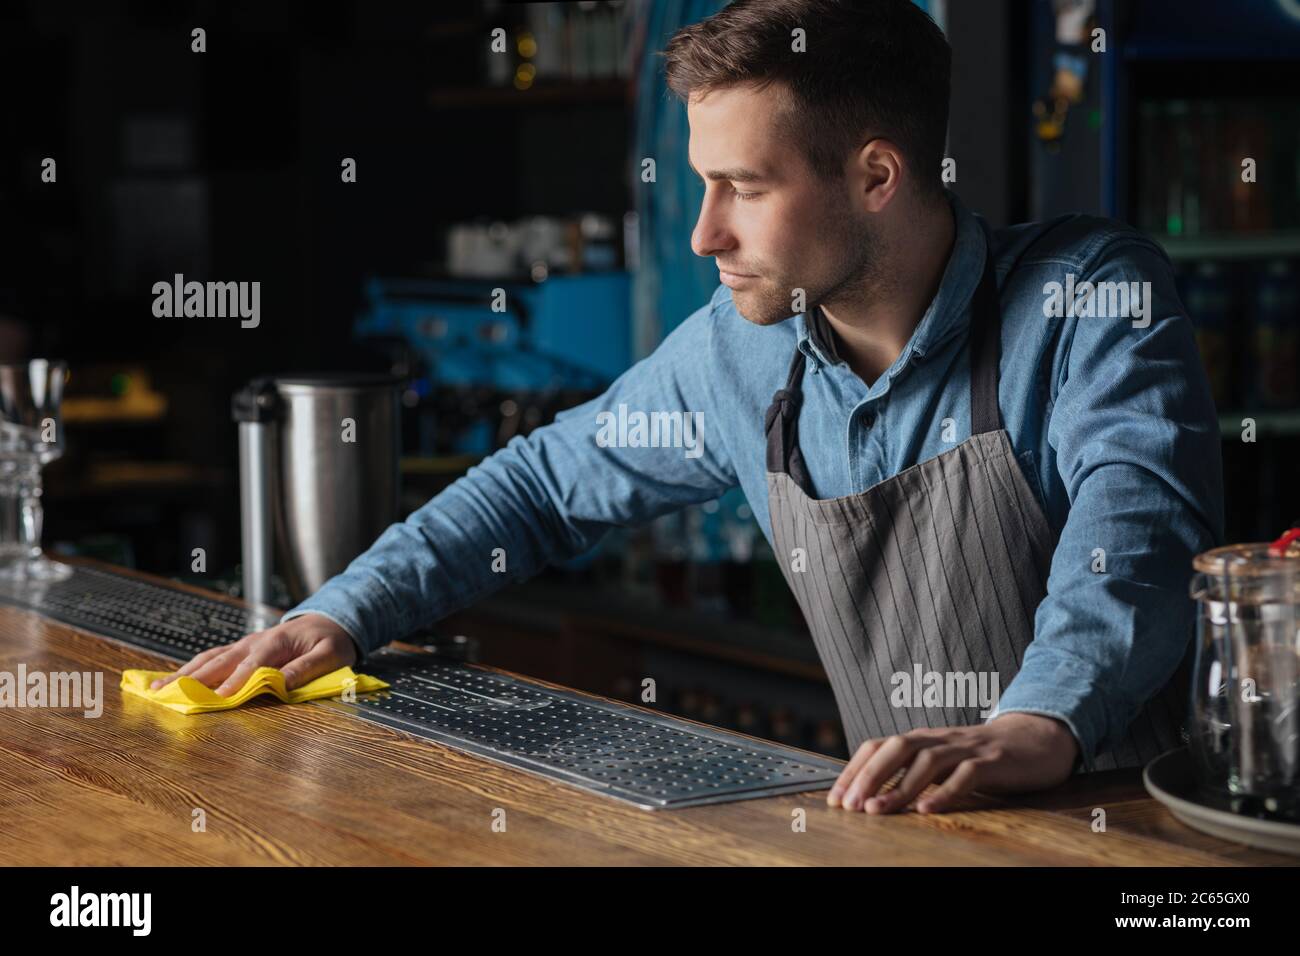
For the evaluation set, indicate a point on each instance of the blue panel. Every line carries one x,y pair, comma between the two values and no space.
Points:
567,332
585,319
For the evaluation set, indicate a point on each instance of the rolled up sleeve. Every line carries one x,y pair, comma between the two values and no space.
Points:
1137,448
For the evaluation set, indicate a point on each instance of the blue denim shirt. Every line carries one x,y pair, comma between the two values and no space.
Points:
1111,418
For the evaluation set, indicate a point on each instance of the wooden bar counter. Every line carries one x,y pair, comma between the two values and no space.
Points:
301,785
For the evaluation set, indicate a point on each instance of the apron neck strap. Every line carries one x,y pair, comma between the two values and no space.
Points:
986,336
985,352
781,425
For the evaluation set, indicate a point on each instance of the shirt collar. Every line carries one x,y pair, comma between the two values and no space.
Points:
947,313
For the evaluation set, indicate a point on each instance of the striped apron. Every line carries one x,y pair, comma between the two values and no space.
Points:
937,569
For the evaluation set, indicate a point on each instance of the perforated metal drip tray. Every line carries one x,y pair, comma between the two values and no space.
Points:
650,760
166,621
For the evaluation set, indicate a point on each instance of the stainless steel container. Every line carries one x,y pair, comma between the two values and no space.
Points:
318,475
1246,692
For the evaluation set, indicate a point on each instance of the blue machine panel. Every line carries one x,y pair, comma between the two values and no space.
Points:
566,332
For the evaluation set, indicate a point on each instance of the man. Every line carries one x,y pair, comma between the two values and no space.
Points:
974,473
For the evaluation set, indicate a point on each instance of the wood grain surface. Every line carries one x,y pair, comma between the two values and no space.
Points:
301,785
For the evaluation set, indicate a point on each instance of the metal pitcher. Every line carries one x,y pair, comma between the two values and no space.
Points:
318,475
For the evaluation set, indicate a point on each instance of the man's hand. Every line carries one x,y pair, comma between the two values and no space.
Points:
1011,753
303,649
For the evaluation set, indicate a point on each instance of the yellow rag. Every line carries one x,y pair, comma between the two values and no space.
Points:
189,696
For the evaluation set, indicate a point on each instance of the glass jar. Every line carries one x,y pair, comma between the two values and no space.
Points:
1245,739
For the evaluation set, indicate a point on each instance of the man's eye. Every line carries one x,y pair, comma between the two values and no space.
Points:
743,197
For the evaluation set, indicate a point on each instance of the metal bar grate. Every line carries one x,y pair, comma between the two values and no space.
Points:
167,621
651,760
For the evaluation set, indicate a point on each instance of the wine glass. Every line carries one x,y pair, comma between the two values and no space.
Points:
31,436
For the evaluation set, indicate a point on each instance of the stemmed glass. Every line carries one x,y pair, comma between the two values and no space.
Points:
31,436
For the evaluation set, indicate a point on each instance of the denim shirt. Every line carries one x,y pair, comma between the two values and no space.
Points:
1111,419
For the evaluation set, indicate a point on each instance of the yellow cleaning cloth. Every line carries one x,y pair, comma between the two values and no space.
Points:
189,696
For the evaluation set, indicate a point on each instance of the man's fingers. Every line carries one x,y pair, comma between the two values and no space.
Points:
218,668
932,765
193,664
317,662
222,667
302,656
203,657
962,780
895,752
262,657
850,771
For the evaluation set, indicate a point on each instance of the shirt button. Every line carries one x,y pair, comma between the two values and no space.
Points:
868,419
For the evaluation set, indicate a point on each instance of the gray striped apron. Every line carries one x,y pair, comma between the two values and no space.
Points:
937,569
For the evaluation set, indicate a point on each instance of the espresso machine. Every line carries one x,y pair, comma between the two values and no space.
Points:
318,475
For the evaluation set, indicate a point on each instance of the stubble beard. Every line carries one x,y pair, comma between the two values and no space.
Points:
854,272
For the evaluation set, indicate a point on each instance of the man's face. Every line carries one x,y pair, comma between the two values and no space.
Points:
771,225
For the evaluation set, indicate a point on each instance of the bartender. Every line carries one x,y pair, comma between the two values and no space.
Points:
975,461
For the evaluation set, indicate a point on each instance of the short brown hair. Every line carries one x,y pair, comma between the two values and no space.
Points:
872,68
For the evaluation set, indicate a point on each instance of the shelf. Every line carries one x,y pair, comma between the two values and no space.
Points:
120,480
441,465
1260,246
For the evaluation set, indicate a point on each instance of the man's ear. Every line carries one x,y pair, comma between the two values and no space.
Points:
878,168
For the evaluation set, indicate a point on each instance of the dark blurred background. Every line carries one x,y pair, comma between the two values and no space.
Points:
520,170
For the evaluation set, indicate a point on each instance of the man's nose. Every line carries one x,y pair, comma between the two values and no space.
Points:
711,235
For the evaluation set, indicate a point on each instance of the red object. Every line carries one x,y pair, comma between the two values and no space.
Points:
1278,548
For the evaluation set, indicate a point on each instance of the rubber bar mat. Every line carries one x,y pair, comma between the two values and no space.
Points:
650,760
